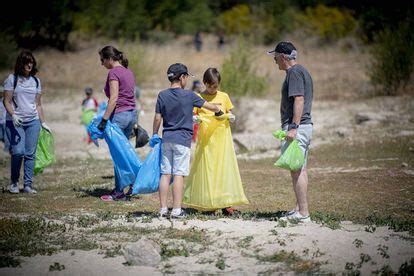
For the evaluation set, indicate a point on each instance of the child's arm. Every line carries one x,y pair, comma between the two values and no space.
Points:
212,107
156,124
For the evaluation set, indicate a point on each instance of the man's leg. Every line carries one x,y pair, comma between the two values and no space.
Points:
178,190
163,191
300,186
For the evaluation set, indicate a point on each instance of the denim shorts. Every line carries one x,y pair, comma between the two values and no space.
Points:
304,137
175,159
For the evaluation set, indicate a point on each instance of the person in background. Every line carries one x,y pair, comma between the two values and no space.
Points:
3,112
22,100
197,88
296,119
174,108
198,42
121,109
89,109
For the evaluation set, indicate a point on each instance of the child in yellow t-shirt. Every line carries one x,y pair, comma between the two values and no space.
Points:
214,181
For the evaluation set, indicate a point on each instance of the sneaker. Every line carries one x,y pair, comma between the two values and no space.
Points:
289,213
228,211
29,190
181,215
14,188
115,196
297,216
163,213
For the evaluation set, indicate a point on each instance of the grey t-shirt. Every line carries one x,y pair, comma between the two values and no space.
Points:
298,82
24,97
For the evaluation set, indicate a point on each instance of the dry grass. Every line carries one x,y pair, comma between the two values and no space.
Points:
337,72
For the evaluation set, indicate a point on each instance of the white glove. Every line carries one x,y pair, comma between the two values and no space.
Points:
196,119
232,118
46,127
17,121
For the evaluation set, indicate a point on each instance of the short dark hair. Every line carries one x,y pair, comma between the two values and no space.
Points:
211,76
24,58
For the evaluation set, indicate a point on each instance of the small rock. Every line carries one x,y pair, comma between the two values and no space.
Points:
360,118
143,252
404,165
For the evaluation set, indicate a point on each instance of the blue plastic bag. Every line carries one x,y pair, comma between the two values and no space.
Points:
126,161
148,178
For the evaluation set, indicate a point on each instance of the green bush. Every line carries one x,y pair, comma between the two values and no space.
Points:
237,20
8,51
238,74
239,79
326,22
392,58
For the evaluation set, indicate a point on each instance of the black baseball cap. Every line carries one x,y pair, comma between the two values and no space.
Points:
176,70
283,47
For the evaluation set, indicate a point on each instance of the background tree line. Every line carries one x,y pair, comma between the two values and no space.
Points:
386,26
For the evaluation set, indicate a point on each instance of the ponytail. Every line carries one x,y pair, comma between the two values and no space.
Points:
123,60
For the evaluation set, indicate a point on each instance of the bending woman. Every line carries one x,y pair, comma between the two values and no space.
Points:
119,88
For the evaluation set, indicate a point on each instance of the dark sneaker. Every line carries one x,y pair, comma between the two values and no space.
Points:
14,188
181,215
229,211
116,196
29,190
129,193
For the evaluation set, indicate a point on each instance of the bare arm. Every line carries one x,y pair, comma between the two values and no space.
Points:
113,92
40,108
157,123
8,96
211,107
297,115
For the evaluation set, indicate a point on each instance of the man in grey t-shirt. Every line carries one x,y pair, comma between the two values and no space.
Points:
296,119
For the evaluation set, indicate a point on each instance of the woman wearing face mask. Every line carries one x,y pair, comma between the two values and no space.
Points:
22,100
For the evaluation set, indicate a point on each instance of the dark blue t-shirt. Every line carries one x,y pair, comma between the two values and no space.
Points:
176,108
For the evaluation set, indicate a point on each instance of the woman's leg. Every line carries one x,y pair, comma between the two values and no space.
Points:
32,131
16,138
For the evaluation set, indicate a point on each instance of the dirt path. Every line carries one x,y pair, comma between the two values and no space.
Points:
248,247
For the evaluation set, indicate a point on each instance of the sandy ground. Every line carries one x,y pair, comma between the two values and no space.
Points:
334,121
311,242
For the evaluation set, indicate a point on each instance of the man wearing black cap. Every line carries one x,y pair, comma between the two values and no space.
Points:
174,108
296,119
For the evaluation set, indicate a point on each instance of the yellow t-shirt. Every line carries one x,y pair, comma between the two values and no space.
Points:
220,98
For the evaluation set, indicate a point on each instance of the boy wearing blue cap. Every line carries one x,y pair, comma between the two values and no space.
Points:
174,108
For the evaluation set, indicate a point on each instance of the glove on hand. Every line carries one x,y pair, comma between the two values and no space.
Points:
154,140
102,124
17,120
232,118
46,127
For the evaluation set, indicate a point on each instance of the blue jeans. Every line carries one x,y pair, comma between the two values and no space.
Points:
125,121
23,144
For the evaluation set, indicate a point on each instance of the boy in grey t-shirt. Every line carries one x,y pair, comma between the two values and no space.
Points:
174,108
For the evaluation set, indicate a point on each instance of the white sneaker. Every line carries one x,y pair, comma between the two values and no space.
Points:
297,216
14,188
29,190
163,213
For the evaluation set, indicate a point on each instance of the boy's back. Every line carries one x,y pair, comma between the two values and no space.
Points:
176,108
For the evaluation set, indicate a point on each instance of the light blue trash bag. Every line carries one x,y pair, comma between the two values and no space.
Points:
148,178
126,161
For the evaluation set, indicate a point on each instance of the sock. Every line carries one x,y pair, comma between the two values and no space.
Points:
163,210
176,211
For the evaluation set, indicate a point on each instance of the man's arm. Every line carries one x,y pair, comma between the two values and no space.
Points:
298,104
156,124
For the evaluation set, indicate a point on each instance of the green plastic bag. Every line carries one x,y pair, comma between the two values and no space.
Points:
292,158
45,151
87,116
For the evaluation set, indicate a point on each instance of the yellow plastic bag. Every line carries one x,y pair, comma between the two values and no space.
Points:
214,181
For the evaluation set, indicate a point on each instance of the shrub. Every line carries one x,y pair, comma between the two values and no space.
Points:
138,61
237,20
392,58
326,22
239,79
